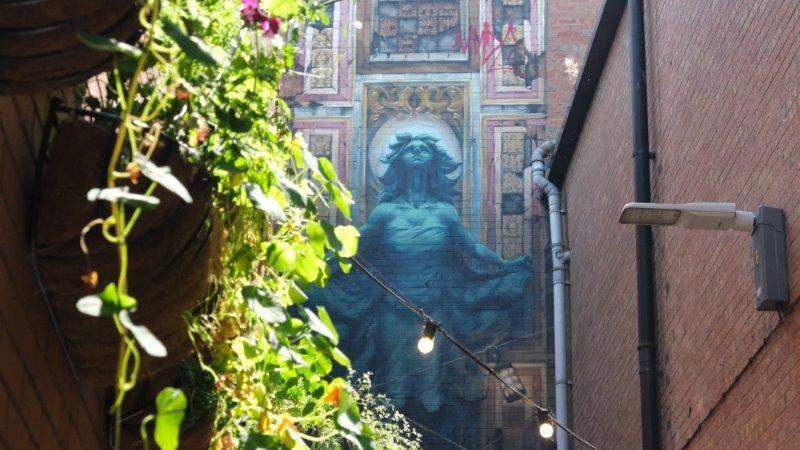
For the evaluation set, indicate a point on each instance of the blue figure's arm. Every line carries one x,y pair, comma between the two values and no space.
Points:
372,230
474,248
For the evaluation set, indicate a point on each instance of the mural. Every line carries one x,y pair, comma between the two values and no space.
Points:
415,241
417,30
428,110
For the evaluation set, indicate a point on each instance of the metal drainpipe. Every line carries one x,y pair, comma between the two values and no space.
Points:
560,256
645,279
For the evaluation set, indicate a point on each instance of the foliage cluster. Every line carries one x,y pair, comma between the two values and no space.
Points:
206,74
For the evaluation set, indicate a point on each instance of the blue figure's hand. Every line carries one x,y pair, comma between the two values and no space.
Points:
517,264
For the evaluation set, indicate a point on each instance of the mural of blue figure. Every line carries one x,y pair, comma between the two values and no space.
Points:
415,241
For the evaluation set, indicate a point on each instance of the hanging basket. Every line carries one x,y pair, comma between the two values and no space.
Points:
171,249
39,45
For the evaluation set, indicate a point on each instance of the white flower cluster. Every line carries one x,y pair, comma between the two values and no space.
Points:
392,430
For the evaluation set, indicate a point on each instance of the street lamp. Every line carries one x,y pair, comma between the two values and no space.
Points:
707,216
767,226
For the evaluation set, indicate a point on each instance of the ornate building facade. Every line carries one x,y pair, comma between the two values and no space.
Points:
482,76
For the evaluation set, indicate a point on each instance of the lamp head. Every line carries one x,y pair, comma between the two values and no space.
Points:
708,216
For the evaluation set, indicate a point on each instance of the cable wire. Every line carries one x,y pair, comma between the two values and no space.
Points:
467,352
455,360
445,438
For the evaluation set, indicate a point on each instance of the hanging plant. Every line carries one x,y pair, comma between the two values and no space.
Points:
206,75
172,247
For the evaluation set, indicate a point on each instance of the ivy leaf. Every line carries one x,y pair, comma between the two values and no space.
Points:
149,342
121,195
256,441
281,256
258,301
109,45
339,199
193,46
163,176
92,305
327,170
325,328
267,204
348,235
349,420
170,408
311,161
322,313
282,8
296,295
294,192
340,357
309,267
316,237
116,300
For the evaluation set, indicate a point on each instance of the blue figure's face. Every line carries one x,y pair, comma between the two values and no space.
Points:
416,154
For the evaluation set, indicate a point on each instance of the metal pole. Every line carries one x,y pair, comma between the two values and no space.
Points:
645,279
559,256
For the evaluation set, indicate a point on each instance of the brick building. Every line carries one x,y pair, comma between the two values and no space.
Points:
722,86
487,78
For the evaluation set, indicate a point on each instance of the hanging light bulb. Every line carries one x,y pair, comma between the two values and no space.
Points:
546,428
425,343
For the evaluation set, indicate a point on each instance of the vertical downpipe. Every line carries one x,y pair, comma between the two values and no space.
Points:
645,281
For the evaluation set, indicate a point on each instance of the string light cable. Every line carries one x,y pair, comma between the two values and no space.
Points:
541,411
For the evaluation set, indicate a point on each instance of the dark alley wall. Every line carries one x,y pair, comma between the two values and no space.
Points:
41,405
723,90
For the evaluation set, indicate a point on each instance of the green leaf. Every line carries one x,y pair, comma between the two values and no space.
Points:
258,300
267,204
163,176
322,313
348,235
170,408
113,298
149,342
281,256
252,440
109,44
296,295
339,199
248,353
309,267
193,46
349,420
340,357
320,326
316,237
310,161
122,195
282,8
327,170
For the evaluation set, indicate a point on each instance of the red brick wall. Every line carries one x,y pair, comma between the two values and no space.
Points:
723,91
569,29
41,405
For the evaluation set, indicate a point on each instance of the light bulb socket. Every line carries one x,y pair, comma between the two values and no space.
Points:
544,418
429,329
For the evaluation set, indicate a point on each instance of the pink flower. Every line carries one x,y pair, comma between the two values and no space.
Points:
270,26
251,13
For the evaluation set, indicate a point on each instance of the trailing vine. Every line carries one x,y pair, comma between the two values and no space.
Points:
206,74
